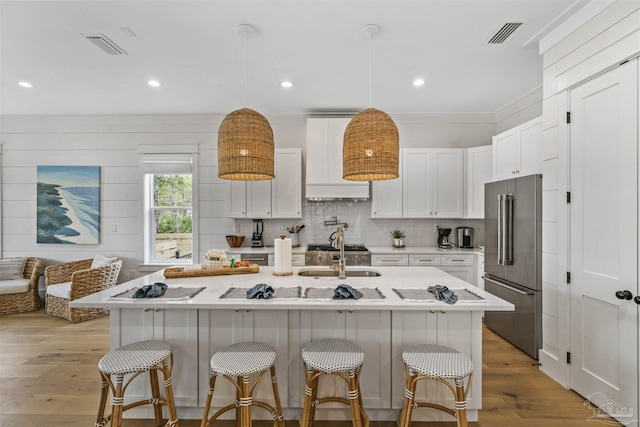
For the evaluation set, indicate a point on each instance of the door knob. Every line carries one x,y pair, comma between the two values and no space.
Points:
637,300
624,295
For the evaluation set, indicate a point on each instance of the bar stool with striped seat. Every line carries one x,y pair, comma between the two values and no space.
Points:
237,363
137,358
442,364
333,357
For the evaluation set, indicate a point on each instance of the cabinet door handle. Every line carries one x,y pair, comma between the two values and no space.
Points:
390,260
458,260
425,260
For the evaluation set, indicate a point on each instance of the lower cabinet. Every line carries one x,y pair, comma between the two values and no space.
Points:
220,328
458,265
371,330
180,329
458,330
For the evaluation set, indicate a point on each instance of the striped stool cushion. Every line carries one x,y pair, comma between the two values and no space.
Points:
243,358
332,355
134,357
437,361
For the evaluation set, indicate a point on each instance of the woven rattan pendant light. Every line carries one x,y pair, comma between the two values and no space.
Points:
371,145
245,140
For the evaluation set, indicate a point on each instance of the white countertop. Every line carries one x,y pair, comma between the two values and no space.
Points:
215,286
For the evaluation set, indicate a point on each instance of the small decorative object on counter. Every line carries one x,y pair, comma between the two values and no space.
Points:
214,258
293,235
398,235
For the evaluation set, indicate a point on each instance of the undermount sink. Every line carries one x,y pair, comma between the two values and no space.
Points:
336,273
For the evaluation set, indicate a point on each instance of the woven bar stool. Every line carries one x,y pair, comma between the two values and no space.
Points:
333,357
442,364
237,363
136,358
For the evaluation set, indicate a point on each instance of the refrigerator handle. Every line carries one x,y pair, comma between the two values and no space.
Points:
508,233
500,235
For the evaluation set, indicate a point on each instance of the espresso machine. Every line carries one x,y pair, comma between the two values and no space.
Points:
256,237
443,238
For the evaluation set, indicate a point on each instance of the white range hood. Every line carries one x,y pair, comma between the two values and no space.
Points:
324,162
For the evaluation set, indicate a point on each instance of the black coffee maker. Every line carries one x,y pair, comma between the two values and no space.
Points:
443,238
256,238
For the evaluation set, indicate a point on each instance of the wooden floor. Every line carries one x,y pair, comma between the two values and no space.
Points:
48,377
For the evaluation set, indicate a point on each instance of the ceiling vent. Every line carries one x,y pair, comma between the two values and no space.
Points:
105,44
504,32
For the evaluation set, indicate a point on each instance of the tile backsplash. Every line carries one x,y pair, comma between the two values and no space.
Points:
361,228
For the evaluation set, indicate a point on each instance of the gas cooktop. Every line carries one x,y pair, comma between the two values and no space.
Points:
316,247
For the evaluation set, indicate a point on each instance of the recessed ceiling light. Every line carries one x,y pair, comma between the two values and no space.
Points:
154,83
286,84
418,82
25,84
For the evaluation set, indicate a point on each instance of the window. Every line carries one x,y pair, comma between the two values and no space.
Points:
169,208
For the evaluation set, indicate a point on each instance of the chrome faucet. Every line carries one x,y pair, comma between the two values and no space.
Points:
338,243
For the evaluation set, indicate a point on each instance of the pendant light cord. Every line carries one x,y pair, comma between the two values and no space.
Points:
370,73
246,69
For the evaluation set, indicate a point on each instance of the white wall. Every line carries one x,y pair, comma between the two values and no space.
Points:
601,42
113,143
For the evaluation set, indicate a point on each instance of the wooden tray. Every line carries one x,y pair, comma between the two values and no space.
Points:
175,272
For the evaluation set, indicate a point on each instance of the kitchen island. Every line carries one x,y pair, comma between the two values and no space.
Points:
382,323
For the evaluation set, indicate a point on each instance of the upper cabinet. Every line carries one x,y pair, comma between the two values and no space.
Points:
324,162
280,197
479,172
431,186
518,151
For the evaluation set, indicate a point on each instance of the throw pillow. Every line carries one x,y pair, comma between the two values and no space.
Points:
101,261
12,268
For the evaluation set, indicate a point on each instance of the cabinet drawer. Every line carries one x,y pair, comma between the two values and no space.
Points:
389,260
457,260
297,259
424,260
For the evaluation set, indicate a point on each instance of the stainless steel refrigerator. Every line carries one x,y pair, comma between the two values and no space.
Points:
513,264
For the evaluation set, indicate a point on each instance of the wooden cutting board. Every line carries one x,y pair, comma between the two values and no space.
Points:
176,272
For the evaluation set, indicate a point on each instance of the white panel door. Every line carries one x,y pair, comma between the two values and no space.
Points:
286,188
416,185
447,184
604,240
259,199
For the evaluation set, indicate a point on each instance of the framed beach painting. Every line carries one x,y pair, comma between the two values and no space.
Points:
68,205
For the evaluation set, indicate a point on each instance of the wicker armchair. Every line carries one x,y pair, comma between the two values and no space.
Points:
24,301
84,281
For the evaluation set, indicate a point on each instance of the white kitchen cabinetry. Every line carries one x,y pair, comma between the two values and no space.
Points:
518,151
280,197
479,172
447,328
324,161
371,330
180,329
221,328
386,197
480,270
432,183
389,260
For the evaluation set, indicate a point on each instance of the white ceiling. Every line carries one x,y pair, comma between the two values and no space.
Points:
193,49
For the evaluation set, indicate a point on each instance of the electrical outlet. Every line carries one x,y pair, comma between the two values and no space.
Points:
281,228
237,228
114,228
386,227
482,228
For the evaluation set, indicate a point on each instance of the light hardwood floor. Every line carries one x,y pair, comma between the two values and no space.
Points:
48,377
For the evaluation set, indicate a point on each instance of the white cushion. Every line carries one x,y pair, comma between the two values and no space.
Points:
15,286
60,290
12,268
101,261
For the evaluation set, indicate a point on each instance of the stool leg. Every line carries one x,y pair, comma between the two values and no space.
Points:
409,393
245,403
155,396
314,397
276,396
461,403
117,401
238,397
173,413
207,405
104,391
306,406
354,399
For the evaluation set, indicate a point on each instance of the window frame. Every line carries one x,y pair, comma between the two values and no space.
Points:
163,163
